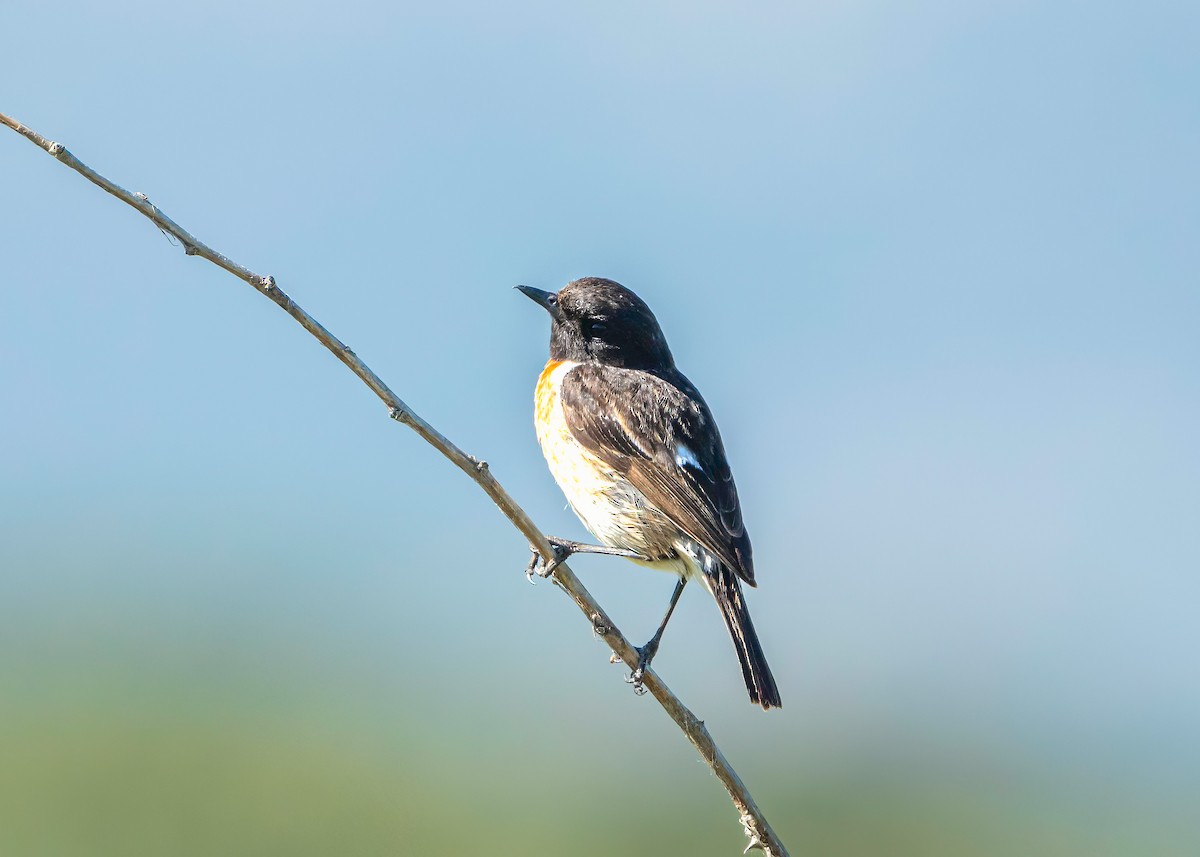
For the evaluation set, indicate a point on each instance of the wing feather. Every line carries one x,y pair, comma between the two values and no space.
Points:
657,431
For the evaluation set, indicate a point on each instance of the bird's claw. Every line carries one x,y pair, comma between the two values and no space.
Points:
537,565
636,677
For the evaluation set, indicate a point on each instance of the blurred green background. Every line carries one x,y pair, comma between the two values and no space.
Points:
933,265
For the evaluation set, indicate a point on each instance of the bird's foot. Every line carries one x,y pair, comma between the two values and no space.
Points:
645,655
635,679
562,548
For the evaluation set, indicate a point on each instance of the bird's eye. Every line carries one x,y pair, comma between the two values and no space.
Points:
595,328
552,299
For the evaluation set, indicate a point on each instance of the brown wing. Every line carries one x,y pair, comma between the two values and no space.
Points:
658,432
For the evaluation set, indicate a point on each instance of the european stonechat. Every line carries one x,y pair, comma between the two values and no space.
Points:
634,447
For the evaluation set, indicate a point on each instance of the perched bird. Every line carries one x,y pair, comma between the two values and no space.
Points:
635,449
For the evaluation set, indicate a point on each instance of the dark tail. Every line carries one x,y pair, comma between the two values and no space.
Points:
760,684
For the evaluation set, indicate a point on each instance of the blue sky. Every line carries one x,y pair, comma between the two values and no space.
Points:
933,266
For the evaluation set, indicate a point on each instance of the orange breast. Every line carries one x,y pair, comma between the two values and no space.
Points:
545,396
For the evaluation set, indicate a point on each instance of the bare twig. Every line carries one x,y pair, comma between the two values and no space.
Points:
758,830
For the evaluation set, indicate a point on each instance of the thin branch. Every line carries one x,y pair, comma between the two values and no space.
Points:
757,829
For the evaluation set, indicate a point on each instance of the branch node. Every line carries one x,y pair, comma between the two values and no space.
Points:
599,626
56,149
398,414
266,283
190,249
755,842
481,466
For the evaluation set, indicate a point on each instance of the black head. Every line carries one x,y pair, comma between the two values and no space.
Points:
599,321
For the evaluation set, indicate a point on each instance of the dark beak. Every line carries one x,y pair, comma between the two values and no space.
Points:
546,299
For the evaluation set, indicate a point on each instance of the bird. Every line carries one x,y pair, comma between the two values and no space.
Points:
635,449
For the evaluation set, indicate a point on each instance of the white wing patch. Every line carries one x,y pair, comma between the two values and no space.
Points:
685,456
